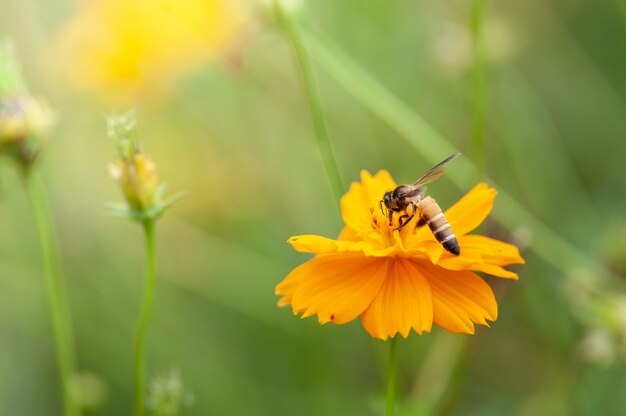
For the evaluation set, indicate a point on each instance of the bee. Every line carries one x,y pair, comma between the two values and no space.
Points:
410,201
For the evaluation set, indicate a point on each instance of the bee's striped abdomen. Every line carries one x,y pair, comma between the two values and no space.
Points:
438,224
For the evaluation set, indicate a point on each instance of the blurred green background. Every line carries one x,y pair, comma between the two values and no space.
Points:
239,139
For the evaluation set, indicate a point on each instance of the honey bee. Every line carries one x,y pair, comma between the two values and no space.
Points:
410,201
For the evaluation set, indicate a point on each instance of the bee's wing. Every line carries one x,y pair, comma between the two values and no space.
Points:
434,172
414,192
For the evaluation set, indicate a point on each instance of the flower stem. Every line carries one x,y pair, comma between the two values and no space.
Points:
55,287
146,311
315,105
391,379
478,85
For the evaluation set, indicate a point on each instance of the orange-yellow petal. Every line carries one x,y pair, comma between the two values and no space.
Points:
493,251
460,299
337,287
403,303
471,210
494,270
288,286
363,196
348,234
483,254
320,245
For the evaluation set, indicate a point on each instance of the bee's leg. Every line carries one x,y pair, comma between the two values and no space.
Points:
401,221
390,214
410,212
416,211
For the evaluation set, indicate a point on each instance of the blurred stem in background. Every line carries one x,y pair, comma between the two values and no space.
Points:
55,286
146,311
138,178
24,122
308,81
478,85
391,376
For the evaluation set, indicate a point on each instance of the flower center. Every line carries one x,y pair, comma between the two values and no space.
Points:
386,234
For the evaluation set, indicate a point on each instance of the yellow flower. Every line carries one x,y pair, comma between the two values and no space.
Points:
399,280
128,48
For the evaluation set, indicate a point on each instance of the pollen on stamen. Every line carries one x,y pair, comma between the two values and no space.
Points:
375,224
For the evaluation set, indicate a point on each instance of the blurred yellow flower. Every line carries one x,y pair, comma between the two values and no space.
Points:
131,48
399,280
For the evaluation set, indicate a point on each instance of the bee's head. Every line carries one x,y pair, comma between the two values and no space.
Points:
387,199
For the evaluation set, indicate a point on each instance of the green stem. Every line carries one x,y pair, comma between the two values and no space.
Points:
310,86
146,311
478,85
391,379
57,299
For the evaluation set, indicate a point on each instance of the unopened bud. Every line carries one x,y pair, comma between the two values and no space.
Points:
138,179
136,173
24,120
23,117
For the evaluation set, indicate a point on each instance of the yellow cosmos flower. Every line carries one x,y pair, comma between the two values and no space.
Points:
399,280
129,48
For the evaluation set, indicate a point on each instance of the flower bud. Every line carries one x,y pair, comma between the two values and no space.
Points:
136,173
24,120
23,117
138,179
